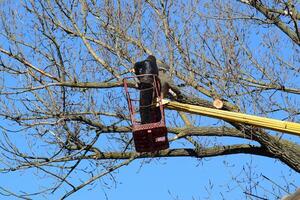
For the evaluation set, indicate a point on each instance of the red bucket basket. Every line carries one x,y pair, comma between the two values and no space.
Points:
148,137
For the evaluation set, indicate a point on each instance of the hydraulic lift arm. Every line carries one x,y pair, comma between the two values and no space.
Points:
263,122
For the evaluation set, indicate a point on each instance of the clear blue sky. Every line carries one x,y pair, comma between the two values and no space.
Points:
175,178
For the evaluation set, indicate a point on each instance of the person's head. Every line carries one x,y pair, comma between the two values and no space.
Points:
151,58
147,66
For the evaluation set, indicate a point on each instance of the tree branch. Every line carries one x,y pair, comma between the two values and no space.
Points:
200,153
273,16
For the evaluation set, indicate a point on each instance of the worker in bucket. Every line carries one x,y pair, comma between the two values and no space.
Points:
145,70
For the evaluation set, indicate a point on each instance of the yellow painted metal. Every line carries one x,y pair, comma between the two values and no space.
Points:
263,122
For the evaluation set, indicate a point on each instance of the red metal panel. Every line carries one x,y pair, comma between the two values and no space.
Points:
151,140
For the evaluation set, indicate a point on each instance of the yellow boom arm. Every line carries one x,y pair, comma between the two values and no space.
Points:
273,124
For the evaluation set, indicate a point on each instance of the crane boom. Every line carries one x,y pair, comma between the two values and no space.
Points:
263,122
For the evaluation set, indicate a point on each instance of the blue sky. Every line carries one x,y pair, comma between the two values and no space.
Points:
173,178
185,178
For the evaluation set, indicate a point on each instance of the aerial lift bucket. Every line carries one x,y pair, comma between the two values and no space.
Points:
148,137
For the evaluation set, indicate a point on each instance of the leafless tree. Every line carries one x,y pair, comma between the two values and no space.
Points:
62,64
